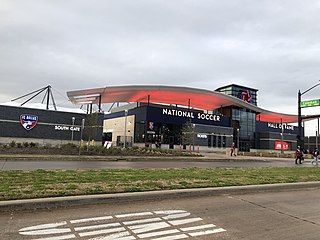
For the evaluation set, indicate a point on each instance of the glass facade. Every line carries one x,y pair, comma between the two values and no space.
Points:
247,123
176,134
165,133
246,94
244,119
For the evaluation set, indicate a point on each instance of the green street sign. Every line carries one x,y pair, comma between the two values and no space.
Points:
310,103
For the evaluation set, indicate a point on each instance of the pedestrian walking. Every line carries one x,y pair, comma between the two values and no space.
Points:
298,156
315,157
233,150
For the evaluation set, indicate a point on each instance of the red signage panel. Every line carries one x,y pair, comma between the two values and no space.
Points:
278,145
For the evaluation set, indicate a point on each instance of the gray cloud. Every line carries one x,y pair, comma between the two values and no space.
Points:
269,45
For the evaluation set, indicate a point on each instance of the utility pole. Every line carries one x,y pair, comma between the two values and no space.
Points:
299,120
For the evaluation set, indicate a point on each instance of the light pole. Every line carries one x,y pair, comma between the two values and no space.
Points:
80,143
73,120
238,140
193,132
125,128
316,139
317,135
300,142
281,136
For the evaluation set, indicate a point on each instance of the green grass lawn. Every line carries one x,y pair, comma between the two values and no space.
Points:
42,183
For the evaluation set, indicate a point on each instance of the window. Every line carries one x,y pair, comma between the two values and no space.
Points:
219,141
214,141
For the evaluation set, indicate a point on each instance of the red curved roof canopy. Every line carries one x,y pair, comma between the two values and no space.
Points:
193,97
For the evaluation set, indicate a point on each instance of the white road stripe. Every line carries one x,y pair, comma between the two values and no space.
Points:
46,231
195,234
154,234
170,212
184,221
97,226
148,227
197,227
134,214
43,226
92,233
91,219
118,236
147,220
64,237
173,216
173,237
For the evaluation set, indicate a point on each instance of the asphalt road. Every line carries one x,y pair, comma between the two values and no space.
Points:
293,215
29,164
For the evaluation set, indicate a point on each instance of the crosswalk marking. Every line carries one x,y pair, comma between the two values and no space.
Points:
195,234
99,232
154,234
155,225
134,215
173,237
148,227
117,236
142,221
198,227
64,237
173,216
78,229
184,221
44,226
91,219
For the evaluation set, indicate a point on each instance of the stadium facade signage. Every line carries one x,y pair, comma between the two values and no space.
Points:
188,114
285,145
66,128
279,126
202,135
28,121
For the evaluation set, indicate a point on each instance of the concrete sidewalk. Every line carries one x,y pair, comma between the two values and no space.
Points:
47,203
205,157
210,155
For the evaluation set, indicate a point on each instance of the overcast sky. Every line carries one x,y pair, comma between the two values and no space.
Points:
270,45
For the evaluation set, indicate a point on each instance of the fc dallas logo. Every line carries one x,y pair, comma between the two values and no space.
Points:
28,121
246,96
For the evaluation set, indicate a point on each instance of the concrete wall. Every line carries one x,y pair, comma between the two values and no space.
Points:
117,127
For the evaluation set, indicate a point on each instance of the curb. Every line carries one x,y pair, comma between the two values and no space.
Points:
48,203
149,160
143,158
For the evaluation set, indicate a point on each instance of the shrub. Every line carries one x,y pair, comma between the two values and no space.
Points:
47,146
25,144
32,144
19,145
12,144
69,146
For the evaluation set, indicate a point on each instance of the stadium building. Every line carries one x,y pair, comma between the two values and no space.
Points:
157,116
177,117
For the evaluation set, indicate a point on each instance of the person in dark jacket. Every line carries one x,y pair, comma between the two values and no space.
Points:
233,150
315,157
298,156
